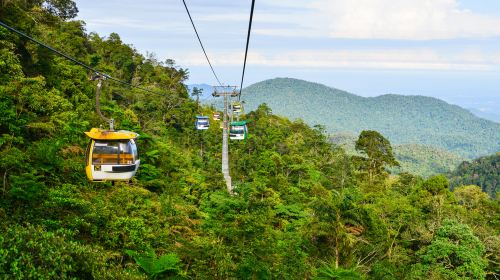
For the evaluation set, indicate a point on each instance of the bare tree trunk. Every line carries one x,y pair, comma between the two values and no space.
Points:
337,253
201,149
5,181
389,252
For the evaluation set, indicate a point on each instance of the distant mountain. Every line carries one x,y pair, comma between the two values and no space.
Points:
207,90
483,172
425,160
402,119
413,158
485,114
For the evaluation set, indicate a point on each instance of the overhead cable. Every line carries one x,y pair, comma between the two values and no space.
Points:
246,49
73,59
201,44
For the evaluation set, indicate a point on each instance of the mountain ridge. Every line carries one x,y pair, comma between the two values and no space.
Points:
403,119
485,114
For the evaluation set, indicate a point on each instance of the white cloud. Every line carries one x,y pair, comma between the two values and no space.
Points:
390,59
390,19
139,24
220,59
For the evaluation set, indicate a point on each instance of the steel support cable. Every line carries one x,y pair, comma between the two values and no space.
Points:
201,44
74,60
246,49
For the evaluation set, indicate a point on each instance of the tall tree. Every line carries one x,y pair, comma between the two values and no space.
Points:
379,154
197,92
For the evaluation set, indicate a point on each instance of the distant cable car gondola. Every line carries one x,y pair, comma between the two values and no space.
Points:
216,116
202,123
237,107
111,155
238,130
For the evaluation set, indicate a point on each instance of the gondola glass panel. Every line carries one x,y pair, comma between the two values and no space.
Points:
105,153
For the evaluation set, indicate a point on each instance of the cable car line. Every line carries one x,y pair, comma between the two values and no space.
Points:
246,50
74,60
201,44
230,130
112,155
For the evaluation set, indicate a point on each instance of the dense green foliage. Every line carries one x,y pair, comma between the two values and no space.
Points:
413,158
302,207
402,119
483,172
454,253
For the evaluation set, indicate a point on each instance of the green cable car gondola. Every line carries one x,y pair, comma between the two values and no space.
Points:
238,130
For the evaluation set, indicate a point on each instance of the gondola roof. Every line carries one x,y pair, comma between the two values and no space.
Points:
239,123
100,134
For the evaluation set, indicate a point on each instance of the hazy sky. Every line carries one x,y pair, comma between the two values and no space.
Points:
449,49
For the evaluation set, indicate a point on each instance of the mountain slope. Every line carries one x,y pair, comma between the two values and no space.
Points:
485,114
483,172
424,160
206,93
403,119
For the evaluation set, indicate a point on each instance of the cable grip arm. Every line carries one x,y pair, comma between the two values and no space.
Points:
100,78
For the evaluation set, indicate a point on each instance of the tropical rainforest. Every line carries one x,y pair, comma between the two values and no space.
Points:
302,207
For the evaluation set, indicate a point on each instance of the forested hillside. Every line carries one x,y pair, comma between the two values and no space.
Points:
413,158
483,172
302,207
403,119
425,160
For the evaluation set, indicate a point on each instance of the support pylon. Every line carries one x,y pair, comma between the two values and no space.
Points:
225,91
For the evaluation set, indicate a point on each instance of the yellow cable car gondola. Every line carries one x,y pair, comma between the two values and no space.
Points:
111,155
216,116
237,107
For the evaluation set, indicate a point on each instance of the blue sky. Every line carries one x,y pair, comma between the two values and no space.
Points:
448,49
